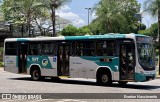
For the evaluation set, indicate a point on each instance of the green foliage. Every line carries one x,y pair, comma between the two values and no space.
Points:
152,6
84,30
152,31
1,50
145,32
22,12
27,11
95,28
1,54
74,31
1,64
58,4
20,9
69,31
115,16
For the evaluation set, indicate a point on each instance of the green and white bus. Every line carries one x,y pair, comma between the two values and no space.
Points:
107,58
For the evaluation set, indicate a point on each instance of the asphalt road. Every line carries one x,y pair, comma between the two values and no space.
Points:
15,83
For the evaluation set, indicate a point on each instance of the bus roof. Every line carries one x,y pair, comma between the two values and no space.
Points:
105,36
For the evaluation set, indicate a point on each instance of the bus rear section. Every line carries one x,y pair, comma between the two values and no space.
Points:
10,57
15,56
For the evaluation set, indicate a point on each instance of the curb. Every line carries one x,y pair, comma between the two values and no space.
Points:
157,77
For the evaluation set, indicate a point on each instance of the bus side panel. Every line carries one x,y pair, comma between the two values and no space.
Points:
11,64
86,67
50,70
48,65
82,68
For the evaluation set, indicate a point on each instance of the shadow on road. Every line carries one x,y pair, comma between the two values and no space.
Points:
81,82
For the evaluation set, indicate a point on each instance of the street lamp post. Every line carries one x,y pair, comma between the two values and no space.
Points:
148,25
88,14
139,18
147,21
159,34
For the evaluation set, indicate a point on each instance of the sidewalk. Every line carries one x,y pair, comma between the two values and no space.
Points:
1,69
157,72
158,76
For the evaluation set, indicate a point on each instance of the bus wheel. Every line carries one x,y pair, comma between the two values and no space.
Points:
104,79
36,75
122,83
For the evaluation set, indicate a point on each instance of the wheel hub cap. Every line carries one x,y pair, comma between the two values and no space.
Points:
104,78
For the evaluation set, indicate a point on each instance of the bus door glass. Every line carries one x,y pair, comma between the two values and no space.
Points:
22,56
127,61
63,60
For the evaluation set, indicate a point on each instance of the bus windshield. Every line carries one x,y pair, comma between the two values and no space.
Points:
146,54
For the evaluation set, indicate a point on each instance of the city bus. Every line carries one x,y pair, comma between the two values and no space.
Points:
107,58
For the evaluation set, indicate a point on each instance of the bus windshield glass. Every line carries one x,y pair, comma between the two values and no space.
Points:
145,52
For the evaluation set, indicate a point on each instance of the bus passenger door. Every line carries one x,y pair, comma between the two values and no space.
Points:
63,60
127,61
22,58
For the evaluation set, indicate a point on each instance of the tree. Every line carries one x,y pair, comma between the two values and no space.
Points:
95,28
84,30
152,31
32,10
153,7
145,32
70,31
40,18
17,8
53,5
116,16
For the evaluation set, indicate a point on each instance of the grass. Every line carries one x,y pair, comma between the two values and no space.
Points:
157,73
1,64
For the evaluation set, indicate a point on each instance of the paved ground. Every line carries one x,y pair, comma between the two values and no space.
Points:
1,69
15,83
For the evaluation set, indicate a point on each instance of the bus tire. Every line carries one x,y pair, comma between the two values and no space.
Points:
122,83
104,79
36,74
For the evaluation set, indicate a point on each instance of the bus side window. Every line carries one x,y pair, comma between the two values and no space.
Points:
73,47
105,48
110,48
101,48
10,48
30,52
35,52
48,48
34,48
85,48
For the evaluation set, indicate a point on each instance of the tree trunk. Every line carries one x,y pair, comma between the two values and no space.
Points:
29,23
53,21
22,30
39,27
